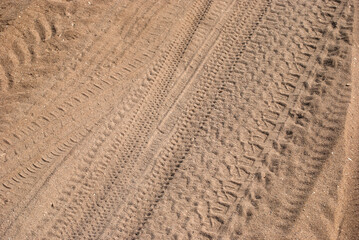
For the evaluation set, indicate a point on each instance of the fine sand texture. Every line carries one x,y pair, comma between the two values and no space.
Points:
176,119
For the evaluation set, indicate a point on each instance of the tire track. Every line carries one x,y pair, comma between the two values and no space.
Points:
59,111
325,133
168,160
139,92
244,144
32,37
17,53
254,183
61,148
171,59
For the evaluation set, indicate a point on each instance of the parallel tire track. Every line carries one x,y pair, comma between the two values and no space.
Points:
170,60
22,180
205,147
138,211
262,162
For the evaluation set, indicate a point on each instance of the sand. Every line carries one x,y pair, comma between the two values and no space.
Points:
173,119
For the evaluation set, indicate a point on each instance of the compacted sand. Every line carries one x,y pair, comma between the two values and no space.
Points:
176,119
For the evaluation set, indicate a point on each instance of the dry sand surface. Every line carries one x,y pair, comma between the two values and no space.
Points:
179,119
